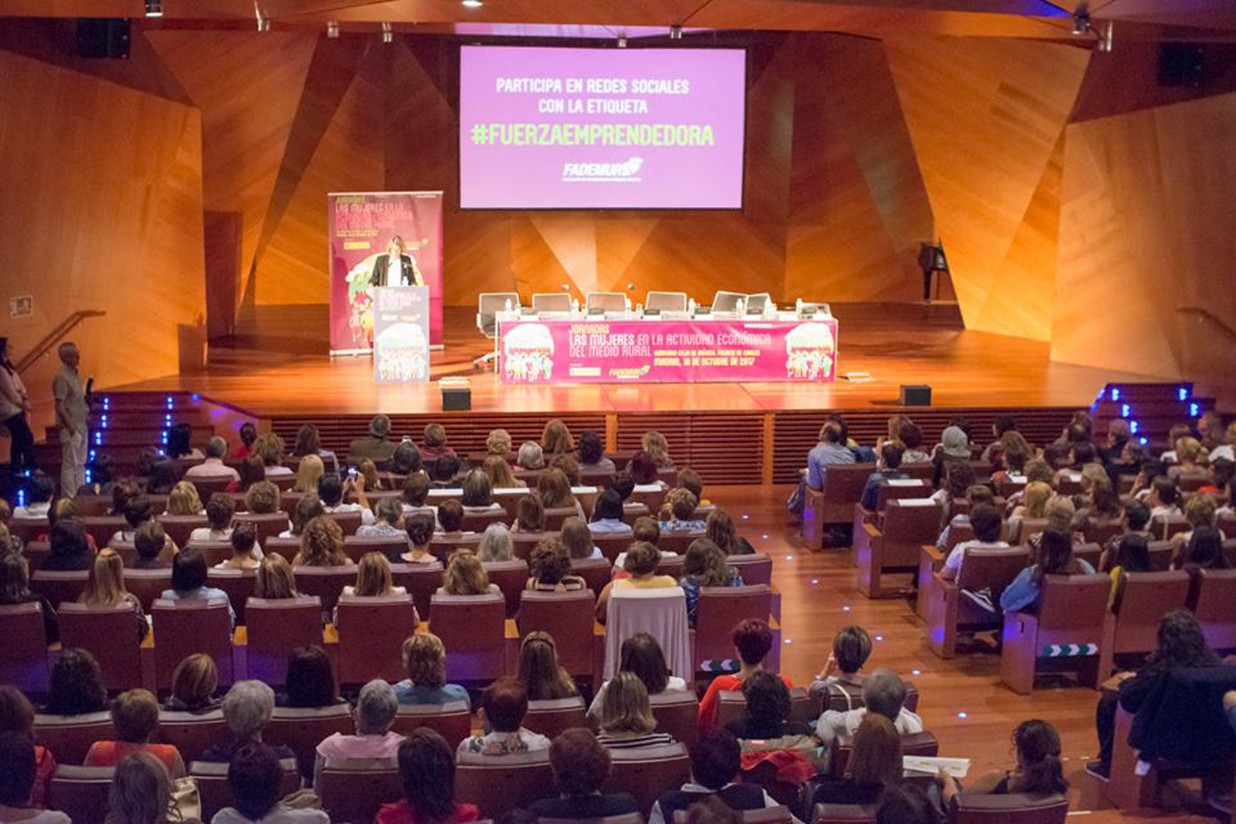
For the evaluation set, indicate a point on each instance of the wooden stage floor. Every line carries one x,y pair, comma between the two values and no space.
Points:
284,369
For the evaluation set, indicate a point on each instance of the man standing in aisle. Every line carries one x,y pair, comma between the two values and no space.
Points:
72,418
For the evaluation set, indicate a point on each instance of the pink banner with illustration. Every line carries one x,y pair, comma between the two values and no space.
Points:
667,351
381,239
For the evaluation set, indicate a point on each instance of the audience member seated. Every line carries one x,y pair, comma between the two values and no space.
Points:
311,682
163,475
424,660
445,471
1181,646
556,438
105,589
255,778
308,507
530,456
592,454
419,528
691,481
1188,451
375,446
541,675
102,476
705,566
1054,556
986,523
554,490
309,442
638,567
1200,511
178,443
607,514
550,568
321,545
427,768
657,447
406,459
581,766
1033,506
374,578
271,449
643,471
752,641
477,493
248,434
841,675
500,475
415,496
1132,555
1136,523
884,693
434,442
252,471
767,716
888,469
1205,550
450,518
875,763
716,762
183,500
219,511
567,465
189,581
15,589
263,498
496,544
376,708
954,447
503,706
626,719
577,538
465,575
194,682
906,804
275,579
308,472
1038,769
1164,499
152,547
245,552
17,716
41,490
135,717
956,482
247,708
69,547
641,656
680,505
529,515
19,783
388,522
1229,706
76,685
331,490
721,531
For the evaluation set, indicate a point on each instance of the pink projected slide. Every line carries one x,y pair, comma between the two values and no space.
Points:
567,128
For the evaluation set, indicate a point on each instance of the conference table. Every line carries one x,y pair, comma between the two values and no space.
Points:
637,347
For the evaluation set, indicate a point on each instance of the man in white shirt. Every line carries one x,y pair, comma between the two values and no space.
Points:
72,419
986,522
213,466
883,692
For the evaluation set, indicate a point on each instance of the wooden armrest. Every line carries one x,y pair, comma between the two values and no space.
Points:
872,530
937,557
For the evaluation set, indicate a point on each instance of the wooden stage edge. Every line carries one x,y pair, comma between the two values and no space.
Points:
277,366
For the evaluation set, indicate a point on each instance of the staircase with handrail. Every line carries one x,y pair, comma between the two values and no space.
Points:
53,338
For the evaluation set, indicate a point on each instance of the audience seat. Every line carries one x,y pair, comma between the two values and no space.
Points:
834,502
651,501
103,527
352,789
613,545
677,713
192,733
567,616
443,547
349,522
671,565
908,525
522,543
678,541
1165,527
478,521
23,655
919,743
69,737
949,614
89,506
287,547
596,572
843,814
326,583
371,634
550,717
110,635
732,706
215,793
59,587
452,721
420,580
275,627
511,577
555,515
1028,529
661,613
268,524
147,585
27,529
1145,597
35,552
239,584
1012,808
718,610
1090,553
1161,555
1213,601
208,485
179,527
755,568
81,792
182,628
215,552
303,728
1100,532
647,772
1069,629
356,547
473,629
498,784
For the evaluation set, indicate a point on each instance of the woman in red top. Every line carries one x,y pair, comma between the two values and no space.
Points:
752,640
17,715
427,767
135,715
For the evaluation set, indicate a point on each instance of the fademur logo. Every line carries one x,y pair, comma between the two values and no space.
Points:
602,172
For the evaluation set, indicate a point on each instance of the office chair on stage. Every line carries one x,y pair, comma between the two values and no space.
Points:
488,305
547,302
606,302
666,302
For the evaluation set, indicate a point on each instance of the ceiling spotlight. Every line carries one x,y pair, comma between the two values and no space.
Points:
388,36
472,4
332,29
154,8
675,32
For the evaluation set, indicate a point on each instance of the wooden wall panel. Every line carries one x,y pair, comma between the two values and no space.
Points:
101,209
1148,235
985,117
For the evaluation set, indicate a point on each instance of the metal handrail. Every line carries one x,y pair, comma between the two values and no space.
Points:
54,337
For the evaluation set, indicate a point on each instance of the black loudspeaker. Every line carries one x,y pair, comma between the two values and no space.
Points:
915,395
456,398
1182,64
103,37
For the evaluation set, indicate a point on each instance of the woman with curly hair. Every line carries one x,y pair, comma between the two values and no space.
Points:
321,544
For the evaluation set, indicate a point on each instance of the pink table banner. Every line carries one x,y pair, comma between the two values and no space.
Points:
590,350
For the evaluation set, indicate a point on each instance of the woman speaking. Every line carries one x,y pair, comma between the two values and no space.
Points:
396,267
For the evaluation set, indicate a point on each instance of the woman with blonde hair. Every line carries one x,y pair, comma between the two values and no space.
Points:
499,443
495,544
655,445
556,438
184,500
539,671
262,498
275,579
1033,505
321,544
424,660
465,576
369,471
307,473
1060,514
627,721
895,424
500,475
374,578
554,490
577,538
271,449
105,588
194,683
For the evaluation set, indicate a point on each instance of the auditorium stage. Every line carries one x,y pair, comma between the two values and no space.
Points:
277,366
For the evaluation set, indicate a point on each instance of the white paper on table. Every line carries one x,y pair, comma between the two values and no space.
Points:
905,482
956,767
916,502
